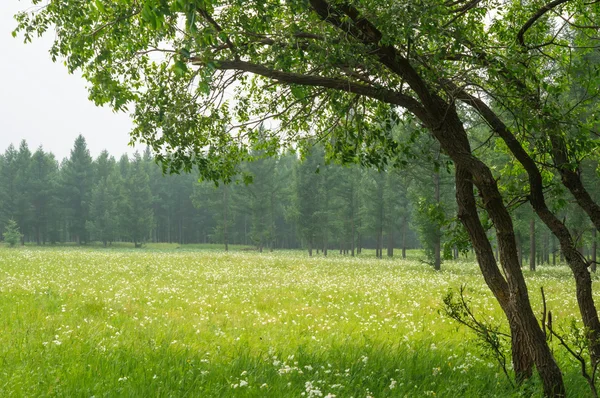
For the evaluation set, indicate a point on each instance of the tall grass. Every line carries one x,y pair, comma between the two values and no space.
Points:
167,322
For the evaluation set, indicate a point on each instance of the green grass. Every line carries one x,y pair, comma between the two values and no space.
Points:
192,322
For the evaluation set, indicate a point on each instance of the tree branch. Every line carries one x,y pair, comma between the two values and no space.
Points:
381,94
535,17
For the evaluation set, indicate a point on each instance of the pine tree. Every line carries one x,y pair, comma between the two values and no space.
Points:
261,196
24,208
308,205
11,234
138,216
104,212
77,184
43,174
8,193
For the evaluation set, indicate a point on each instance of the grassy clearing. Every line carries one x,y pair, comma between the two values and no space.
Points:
161,322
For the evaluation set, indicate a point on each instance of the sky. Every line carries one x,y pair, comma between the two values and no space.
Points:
40,102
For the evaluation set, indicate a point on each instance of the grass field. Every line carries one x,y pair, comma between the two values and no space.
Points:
192,322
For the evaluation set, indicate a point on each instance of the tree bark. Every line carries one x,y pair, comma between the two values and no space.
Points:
454,142
522,358
574,259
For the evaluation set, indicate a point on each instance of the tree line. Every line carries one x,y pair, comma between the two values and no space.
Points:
277,202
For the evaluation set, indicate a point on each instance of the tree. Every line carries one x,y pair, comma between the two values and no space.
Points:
24,208
8,193
307,207
42,196
137,218
76,185
103,224
316,62
11,234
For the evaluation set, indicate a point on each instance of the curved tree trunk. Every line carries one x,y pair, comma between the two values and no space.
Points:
467,213
454,141
575,260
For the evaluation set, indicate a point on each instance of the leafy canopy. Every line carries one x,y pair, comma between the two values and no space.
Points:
202,75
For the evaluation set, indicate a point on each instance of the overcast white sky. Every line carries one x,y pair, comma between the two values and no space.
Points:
41,103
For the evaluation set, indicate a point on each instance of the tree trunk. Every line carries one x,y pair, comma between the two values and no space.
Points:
352,242
225,215
594,250
390,248
532,245
437,245
467,213
572,181
169,226
454,142
404,222
520,251
553,250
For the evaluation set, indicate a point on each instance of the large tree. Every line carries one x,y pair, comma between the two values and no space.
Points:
346,71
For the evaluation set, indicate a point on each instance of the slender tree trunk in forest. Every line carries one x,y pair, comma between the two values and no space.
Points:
437,245
520,251
390,248
547,247
310,247
532,245
380,244
225,215
496,251
352,243
181,240
594,250
404,222
169,226
560,256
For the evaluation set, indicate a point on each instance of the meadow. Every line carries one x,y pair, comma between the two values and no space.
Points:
165,321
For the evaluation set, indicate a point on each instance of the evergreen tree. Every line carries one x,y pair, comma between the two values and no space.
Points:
260,200
43,183
137,219
77,184
8,193
103,224
11,234
24,208
308,205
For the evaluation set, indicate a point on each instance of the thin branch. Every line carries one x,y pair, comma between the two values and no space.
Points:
535,17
